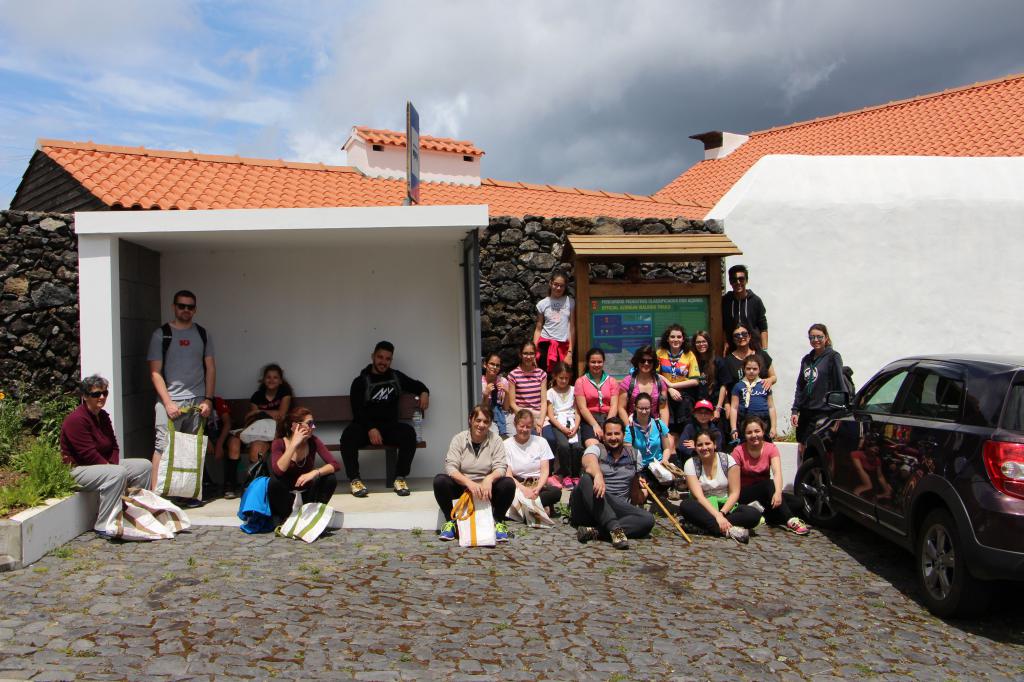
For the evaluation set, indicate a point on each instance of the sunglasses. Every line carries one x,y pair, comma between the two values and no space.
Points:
740,335
734,280
816,337
98,394
309,425
647,361
185,306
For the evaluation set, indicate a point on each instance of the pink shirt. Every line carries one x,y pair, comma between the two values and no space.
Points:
754,470
609,389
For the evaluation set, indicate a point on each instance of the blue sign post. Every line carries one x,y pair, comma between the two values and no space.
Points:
412,154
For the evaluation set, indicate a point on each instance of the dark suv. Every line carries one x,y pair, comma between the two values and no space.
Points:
930,454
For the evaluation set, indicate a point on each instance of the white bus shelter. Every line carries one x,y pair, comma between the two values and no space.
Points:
311,289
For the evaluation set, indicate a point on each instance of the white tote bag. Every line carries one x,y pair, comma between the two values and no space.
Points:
530,512
146,516
475,521
307,522
181,467
261,429
660,471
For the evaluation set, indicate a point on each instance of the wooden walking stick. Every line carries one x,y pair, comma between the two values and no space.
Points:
671,518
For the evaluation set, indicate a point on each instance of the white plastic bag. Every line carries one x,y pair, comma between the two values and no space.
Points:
530,512
475,521
261,429
147,516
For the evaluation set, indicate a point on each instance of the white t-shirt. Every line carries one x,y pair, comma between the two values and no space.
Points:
719,485
557,313
564,405
524,460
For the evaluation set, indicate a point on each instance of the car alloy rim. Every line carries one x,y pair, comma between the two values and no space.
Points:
938,561
815,495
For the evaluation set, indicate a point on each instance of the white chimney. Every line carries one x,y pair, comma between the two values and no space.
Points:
718,144
381,154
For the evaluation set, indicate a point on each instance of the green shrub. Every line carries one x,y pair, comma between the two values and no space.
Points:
12,427
47,472
21,495
54,410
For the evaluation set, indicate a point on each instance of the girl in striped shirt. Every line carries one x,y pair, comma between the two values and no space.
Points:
528,386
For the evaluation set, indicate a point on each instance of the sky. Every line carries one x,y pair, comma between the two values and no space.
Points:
587,93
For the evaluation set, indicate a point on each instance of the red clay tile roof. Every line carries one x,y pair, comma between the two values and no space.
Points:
136,177
439,144
983,119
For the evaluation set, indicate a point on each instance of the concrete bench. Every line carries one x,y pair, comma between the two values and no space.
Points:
336,410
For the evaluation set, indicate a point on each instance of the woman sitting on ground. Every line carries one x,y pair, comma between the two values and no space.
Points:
701,420
271,400
760,465
293,464
528,385
495,393
88,444
597,398
649,437
644,379
713,479
529,459
476,462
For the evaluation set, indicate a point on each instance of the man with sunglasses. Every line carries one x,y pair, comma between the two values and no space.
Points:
741,306
183,372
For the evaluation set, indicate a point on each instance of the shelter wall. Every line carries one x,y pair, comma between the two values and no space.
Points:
319,312
897,255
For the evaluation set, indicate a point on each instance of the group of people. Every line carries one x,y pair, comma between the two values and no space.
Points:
709,416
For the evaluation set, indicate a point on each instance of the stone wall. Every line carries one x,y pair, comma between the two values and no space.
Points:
518,257
39,304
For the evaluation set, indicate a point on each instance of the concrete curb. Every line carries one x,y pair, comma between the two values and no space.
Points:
28,536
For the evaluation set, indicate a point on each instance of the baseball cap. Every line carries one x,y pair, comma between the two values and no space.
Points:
704,405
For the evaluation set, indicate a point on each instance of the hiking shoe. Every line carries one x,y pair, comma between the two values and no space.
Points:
401,487
447,531
501,533
358,489
619,540
586,534
230,493
797,526
740,535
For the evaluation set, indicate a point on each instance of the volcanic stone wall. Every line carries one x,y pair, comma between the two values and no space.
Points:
39,304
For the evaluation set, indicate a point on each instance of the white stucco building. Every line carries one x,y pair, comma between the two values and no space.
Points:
898,226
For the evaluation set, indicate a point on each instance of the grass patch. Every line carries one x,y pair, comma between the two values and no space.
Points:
63,552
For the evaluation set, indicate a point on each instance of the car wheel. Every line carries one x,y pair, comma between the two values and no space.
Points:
811,486
947,586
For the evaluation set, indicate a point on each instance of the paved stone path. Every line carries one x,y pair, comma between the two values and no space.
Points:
379,605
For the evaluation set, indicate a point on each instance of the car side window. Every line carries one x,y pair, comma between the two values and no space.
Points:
880,396
1013,414
934,396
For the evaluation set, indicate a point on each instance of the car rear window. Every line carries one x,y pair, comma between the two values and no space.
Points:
1013,415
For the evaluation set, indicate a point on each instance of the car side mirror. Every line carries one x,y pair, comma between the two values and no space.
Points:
838,400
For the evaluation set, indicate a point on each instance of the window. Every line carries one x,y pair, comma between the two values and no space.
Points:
934,396
880,396
1013,416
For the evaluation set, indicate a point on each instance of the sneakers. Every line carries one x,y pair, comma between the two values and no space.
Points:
586,534
797,526
555,482
401,487
740,535
500,532
447,531
230,492
619,540
358,489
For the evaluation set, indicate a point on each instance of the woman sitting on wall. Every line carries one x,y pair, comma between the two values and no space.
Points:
528,385
760,465
713,479
529,459
293,464
476,461
271,400
597,397
643,379
88,444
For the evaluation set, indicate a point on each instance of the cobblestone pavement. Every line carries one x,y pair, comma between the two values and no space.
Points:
377,605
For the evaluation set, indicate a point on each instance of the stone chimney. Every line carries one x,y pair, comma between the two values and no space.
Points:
381,154
718,144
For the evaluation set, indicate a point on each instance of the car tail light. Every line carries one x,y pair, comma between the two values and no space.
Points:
1005,465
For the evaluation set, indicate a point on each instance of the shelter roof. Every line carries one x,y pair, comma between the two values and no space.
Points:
983,119
656,247
140,178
